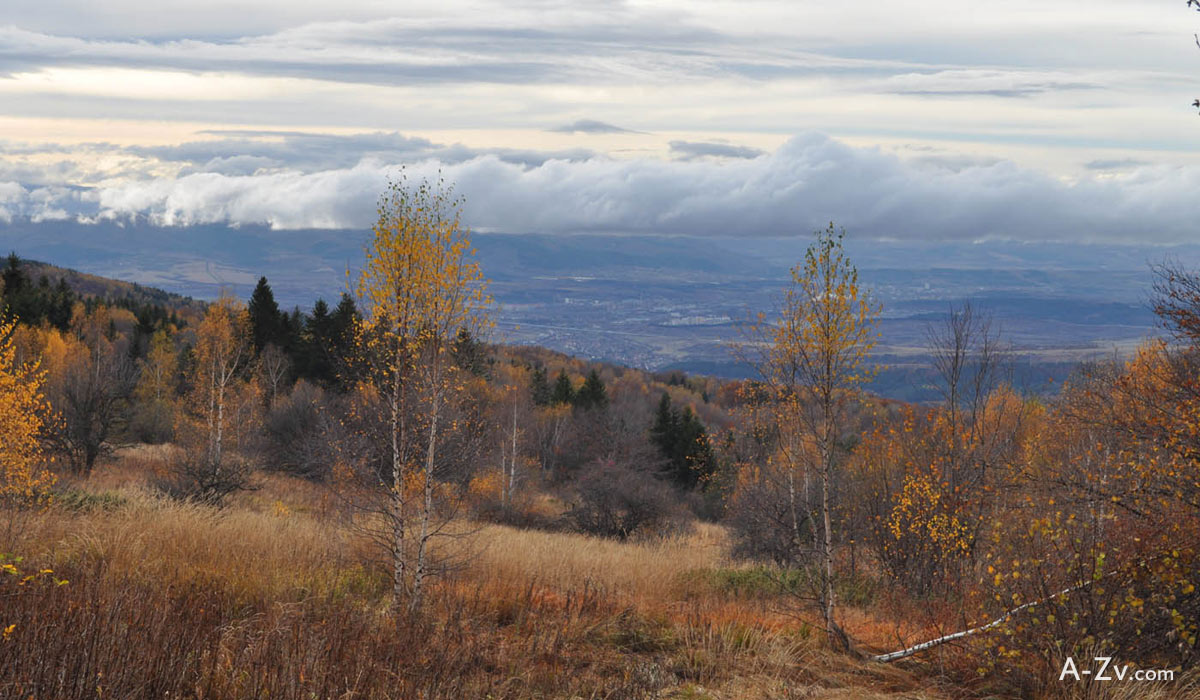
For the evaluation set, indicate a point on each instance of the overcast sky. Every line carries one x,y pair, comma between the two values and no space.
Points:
930,119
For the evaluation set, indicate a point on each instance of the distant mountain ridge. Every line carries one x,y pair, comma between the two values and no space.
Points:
90,286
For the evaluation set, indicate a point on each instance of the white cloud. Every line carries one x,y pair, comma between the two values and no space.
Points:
809,181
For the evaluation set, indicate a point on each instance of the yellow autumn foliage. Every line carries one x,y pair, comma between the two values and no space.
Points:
23,476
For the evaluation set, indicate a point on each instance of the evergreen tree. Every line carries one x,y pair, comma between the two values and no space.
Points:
15,279
539,387
267,324
683,442
293,326
469,354
662,433
564,391
314,360
34,303
695,461
61,304
319,317
327,341
592,393
342,324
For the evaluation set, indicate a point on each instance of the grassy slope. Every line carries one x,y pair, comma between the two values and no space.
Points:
273,598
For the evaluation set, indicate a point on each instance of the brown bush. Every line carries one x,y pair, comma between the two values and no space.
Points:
615,500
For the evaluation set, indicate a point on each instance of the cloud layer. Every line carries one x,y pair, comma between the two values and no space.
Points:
1025,119
804,184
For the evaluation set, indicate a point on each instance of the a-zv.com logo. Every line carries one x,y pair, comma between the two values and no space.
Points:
1102,668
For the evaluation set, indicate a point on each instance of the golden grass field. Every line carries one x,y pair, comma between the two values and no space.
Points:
272,597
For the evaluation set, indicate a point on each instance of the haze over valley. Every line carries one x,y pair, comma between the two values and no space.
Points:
677,302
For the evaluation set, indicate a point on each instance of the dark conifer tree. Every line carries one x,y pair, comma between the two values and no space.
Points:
564,391
35,303
592,394
539,387
469,354
662,433
683,442
315,361
267,325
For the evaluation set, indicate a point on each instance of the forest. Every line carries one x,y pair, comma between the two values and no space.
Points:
371,499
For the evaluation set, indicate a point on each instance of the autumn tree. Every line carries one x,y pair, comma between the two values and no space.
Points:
514,407
222,351
1089,537
23,411
550,427
814,359
154,395
418,287
769,513
929,479
272,369
89,391
208,472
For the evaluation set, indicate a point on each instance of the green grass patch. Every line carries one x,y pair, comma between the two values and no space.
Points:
82,501
761,582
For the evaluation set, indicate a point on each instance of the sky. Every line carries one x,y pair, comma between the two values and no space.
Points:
912,120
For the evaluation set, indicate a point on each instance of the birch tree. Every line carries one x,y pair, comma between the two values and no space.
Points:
222,351
418,287
814,357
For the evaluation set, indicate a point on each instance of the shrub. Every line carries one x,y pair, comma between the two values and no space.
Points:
296,435
153,423
196,477
760,521
615,500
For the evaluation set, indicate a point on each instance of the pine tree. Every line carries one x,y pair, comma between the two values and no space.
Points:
694,456
469,354
683,442
314,361
539,387
343,321
564,391
592,393
35,303
662,433
15,279
267,325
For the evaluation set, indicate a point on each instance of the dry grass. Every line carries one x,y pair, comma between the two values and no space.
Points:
271,598
634,571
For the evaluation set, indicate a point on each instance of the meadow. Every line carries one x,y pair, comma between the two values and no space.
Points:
274,596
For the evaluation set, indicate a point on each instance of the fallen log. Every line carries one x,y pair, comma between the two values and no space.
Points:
905,653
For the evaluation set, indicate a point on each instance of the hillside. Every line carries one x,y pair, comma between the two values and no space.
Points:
109,290
266,498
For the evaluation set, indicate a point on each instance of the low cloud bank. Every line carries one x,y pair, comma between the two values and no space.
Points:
807,182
